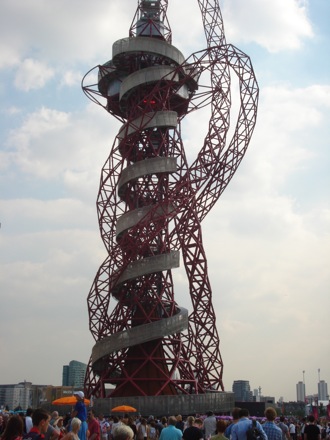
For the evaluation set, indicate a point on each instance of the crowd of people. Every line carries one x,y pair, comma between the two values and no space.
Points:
84,424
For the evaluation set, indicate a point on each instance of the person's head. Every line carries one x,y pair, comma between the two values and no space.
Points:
143,421
172,420
123,432
270,414
79,395
221,426
75,424
190,420
29,412
179,418
311,419
243,412
91,414
14,428
282,418
58,422
209,413
40,419
235,413
198,423
164,421
54,415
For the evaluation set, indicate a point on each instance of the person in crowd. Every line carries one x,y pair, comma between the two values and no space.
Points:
192,432
40,421
327,431
284,428
2,425
93,426
132,425
221,427
171,432
292,430
125,419
238,431
302,427
159,426
54,416
67,422
28,420
152,431
5,417
123,432
143,430
116,422
74,430
209,425
105,427
235,415
179,422
273,432
164,421
80,412
14,429
52,433
312,431
59,427
199,423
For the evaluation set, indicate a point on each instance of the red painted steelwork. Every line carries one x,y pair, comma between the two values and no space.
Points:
151,203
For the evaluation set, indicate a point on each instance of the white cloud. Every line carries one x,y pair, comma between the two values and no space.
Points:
9,55
32,74
277,26
13,110
58,32
51,143
71,78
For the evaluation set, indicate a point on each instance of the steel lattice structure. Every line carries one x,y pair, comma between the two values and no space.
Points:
151,203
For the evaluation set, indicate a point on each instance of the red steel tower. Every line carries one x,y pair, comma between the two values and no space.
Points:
151,203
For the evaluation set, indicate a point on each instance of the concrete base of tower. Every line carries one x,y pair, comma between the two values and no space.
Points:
185,404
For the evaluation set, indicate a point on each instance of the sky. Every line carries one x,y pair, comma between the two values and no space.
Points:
266,240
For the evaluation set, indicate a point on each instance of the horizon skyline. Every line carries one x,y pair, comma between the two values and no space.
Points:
252,389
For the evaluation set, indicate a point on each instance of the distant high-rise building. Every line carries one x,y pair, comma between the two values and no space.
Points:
65,375
74,374
322,390
301,392
241,389
21,395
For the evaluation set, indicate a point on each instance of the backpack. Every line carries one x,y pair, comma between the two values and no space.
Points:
253,432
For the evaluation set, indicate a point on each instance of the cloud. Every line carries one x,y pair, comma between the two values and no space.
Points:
52,143
32,74
71,78
63,32
276,26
